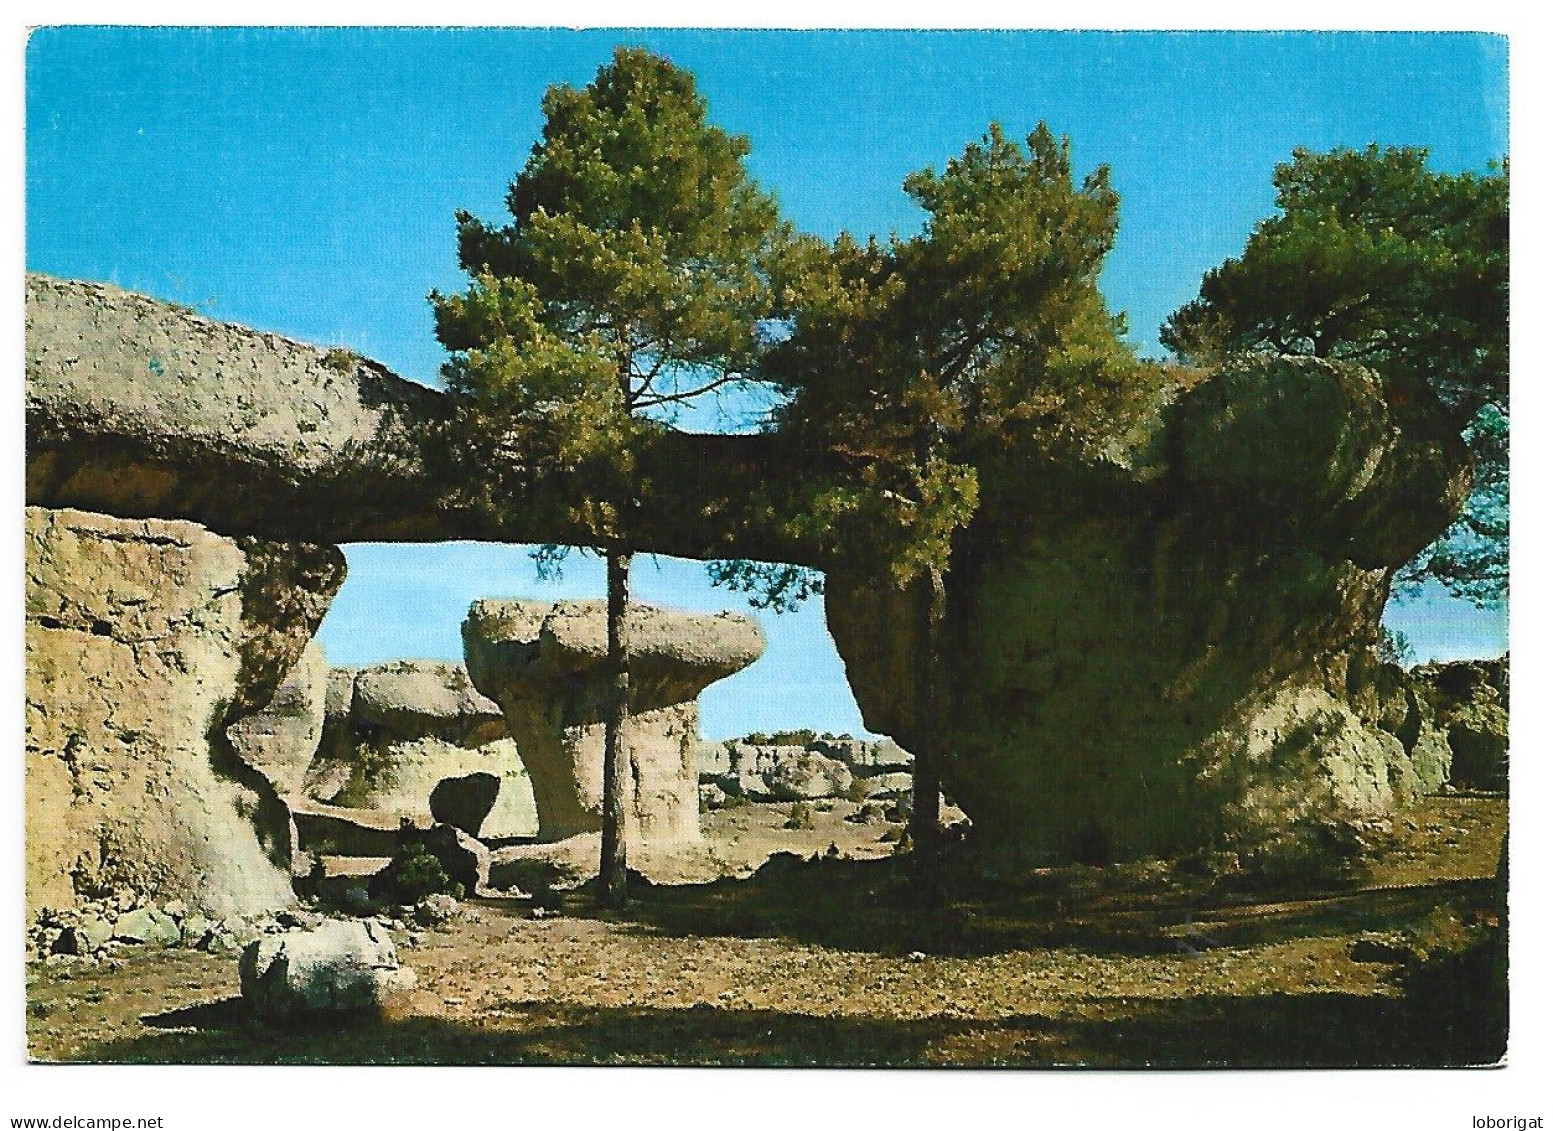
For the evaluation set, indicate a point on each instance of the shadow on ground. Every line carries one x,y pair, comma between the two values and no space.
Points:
878,906
1323,1030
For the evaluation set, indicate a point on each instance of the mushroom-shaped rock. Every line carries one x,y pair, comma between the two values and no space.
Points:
544,663
397,733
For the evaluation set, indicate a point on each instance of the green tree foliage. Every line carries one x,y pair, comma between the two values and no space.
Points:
920,364
1375,258
629,280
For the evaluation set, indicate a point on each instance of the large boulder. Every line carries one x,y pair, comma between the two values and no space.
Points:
281,739
342,965
544,663
402,734
145,640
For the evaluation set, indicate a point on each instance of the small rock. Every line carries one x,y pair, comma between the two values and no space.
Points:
436,908
177,908
148,926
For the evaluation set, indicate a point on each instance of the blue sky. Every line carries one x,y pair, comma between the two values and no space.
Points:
304,181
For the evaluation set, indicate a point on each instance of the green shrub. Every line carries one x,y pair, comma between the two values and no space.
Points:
341,360
412,875
800,815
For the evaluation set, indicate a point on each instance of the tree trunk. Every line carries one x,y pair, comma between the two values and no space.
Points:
612,853
925,780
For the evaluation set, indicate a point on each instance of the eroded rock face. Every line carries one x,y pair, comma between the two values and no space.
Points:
1471,701
763,772
145,640
544,662
400,732
142,408
281,739
1165,655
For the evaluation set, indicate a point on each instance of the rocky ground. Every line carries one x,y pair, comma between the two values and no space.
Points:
795,937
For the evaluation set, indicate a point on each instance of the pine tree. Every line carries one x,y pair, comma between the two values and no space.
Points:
629,281
1376,258
927,365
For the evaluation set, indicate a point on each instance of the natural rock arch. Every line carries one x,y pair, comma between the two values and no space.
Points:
1160,649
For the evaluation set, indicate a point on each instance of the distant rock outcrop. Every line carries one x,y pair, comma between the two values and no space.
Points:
1157,642
804,771
543,663
142,408
145,640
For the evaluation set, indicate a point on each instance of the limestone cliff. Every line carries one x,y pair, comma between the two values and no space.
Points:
145,639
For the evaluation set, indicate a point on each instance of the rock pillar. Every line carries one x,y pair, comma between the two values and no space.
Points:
145,640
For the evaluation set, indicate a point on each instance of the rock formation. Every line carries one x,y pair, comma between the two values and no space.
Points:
1155,645
280,739
145,639
806,771
544,664
1165,650
145,409
414,736
1471,702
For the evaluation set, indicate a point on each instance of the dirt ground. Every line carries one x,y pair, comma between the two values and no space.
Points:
832,957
